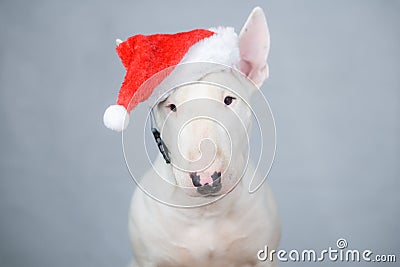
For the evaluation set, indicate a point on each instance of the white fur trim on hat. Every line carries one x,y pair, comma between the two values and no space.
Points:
222,48
116,118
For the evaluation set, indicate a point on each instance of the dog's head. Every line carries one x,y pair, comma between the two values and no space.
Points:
206,126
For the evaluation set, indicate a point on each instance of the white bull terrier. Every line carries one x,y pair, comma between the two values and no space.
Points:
231,230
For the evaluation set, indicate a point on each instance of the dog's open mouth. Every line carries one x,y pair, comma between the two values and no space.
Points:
207,189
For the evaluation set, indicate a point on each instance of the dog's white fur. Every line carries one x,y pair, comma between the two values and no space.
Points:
230,231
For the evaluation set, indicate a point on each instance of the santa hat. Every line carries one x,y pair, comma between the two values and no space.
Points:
144,56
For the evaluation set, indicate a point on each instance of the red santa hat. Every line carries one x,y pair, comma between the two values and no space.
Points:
144,56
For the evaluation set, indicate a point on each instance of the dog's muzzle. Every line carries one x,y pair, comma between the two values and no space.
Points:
207,189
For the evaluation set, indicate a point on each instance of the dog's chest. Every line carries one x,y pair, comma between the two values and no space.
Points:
212,242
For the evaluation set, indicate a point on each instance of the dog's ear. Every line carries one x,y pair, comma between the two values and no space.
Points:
254,47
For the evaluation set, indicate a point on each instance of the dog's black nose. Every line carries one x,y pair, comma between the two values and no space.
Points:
208,189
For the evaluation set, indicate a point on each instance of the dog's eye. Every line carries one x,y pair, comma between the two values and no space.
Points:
172,107
228,100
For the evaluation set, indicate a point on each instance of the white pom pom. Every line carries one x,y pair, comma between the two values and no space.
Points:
116,118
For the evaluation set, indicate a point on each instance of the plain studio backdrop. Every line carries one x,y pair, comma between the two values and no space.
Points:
334,89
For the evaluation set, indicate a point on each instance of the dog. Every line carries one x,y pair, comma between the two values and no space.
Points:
228,230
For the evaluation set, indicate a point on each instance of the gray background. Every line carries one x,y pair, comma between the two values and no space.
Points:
334,90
